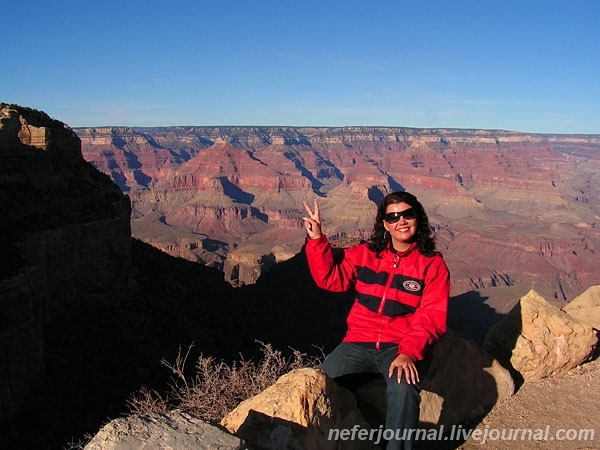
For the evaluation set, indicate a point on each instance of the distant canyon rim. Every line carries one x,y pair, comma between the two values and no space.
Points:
508,208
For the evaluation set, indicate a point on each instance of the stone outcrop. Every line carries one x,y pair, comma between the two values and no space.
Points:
65,238
537,340
463,383
238,191
173,430
297,412
586,307
465,379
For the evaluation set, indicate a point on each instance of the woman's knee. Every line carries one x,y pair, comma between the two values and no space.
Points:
403,390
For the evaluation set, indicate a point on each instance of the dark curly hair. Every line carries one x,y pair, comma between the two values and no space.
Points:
380,239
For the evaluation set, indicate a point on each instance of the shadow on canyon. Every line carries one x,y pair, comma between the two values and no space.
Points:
95,361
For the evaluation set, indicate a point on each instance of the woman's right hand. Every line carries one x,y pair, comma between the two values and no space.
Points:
312,223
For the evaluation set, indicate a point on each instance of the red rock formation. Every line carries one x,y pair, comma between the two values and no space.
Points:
509,208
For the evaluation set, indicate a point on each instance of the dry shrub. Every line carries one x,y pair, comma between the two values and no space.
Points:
147,400
217,388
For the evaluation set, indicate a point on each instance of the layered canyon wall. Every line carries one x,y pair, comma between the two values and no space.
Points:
508,208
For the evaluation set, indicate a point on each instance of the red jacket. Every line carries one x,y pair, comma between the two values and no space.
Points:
401,298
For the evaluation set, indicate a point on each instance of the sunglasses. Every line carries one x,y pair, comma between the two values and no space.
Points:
394,217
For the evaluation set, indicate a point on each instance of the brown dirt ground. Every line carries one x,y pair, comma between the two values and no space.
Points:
570,401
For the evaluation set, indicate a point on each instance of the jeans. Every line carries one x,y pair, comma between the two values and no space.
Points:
403,399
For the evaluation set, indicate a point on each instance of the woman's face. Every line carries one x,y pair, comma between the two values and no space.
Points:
401,222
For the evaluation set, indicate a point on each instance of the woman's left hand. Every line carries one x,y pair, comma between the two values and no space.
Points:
405,365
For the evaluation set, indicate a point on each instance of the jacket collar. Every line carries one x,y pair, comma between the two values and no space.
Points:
409,250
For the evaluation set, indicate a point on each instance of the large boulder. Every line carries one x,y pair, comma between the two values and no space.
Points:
537,339
174,430
469,380
586,307
462,383
298,412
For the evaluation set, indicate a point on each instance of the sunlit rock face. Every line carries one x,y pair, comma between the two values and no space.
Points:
508,208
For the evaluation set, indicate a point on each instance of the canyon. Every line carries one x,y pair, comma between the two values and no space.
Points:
87,313
508,208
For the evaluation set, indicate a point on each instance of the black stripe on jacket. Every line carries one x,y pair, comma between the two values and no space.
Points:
401,283
391,308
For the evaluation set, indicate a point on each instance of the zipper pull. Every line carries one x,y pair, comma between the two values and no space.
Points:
396,259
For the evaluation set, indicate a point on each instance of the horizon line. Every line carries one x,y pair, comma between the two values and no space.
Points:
491,130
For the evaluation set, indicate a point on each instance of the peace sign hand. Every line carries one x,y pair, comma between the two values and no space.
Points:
312,223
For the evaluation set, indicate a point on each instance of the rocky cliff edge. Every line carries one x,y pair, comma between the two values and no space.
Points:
65,242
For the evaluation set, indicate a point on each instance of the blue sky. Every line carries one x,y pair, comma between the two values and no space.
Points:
524,65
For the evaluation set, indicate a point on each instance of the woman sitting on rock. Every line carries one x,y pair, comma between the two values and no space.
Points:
402,287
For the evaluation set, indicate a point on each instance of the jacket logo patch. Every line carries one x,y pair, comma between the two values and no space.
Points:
411,285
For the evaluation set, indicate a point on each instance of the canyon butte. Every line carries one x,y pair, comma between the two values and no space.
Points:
509,209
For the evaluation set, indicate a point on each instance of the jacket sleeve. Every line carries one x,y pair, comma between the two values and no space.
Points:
428,323
335,273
